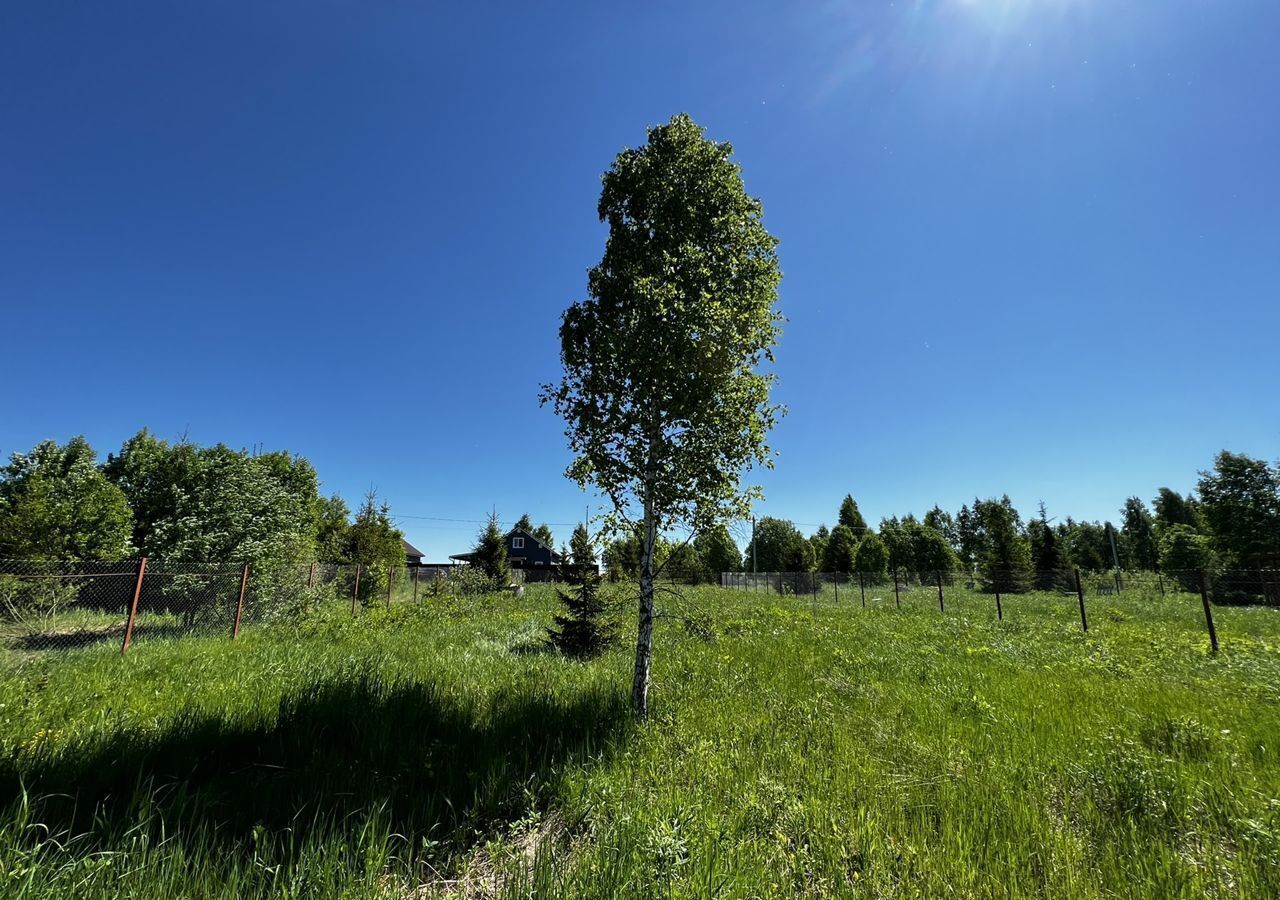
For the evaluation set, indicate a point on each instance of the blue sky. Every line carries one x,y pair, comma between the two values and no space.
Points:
1030,246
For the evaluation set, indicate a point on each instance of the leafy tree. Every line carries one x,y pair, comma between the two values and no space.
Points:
56,504
622,557
840,550
777,545
1172,508
941,521
1184,553
543,533
679,561
717,550
1087,545
217,504
1138,535
872,556
376,545
331,530
930,550
1005,560
1240,501
897,543
490,553
581,631
968,528
818,543
850,517
661,393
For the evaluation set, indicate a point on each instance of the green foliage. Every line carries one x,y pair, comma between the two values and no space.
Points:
717,550
56,504
840,550
872,556
1138,536
1051,565
544,534
622,556
968,538
332,527
779,545
582,551
941,521
213,503
818,543
850,517
490,554
1172,508
1004,562
1240,502
661,395
525,524
376,545
434,751
1087,545
582,630
1185,552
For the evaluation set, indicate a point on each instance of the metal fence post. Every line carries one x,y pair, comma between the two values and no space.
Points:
1084,620
355,591
999,610
862,589
941,606
897,598
1208,610
1160,581
133,607
416,570
244,581
391,580
836,583
311,577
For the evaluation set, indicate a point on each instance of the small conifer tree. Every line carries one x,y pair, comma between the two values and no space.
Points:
581,631
490,554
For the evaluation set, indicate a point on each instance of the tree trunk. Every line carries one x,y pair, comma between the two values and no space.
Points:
644,632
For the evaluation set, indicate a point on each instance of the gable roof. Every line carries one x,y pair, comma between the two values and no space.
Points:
410,550
516,532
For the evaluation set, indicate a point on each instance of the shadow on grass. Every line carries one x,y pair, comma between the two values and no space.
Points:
79,638
424,762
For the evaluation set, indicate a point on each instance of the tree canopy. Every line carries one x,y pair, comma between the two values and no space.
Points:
662,394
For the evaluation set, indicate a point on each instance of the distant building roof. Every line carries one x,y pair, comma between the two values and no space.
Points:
410,550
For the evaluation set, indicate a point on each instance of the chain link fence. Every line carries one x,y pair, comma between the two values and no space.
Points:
58,606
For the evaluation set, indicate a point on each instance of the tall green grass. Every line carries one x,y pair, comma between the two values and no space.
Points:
798,746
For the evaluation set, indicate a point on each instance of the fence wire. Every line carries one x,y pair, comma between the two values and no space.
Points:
52,606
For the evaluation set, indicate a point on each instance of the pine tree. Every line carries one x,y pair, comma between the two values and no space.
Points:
851,517
581,631
490,554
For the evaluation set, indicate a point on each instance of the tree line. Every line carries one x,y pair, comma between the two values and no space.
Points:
179,502
1230,522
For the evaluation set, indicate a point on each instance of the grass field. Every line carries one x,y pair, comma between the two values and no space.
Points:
797,748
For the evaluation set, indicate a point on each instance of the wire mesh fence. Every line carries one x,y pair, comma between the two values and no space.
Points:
55,606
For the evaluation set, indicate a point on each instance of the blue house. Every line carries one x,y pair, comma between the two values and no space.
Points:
525,552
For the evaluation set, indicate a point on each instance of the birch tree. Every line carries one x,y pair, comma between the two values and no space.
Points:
663,395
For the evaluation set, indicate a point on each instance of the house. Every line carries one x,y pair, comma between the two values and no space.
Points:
526,552
412,555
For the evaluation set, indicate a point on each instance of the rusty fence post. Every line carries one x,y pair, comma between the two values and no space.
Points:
1084,620
244,582
355,591
311,577
133,607
1208,611
941,605
999,609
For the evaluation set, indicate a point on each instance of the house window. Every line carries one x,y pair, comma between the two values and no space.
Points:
517,543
